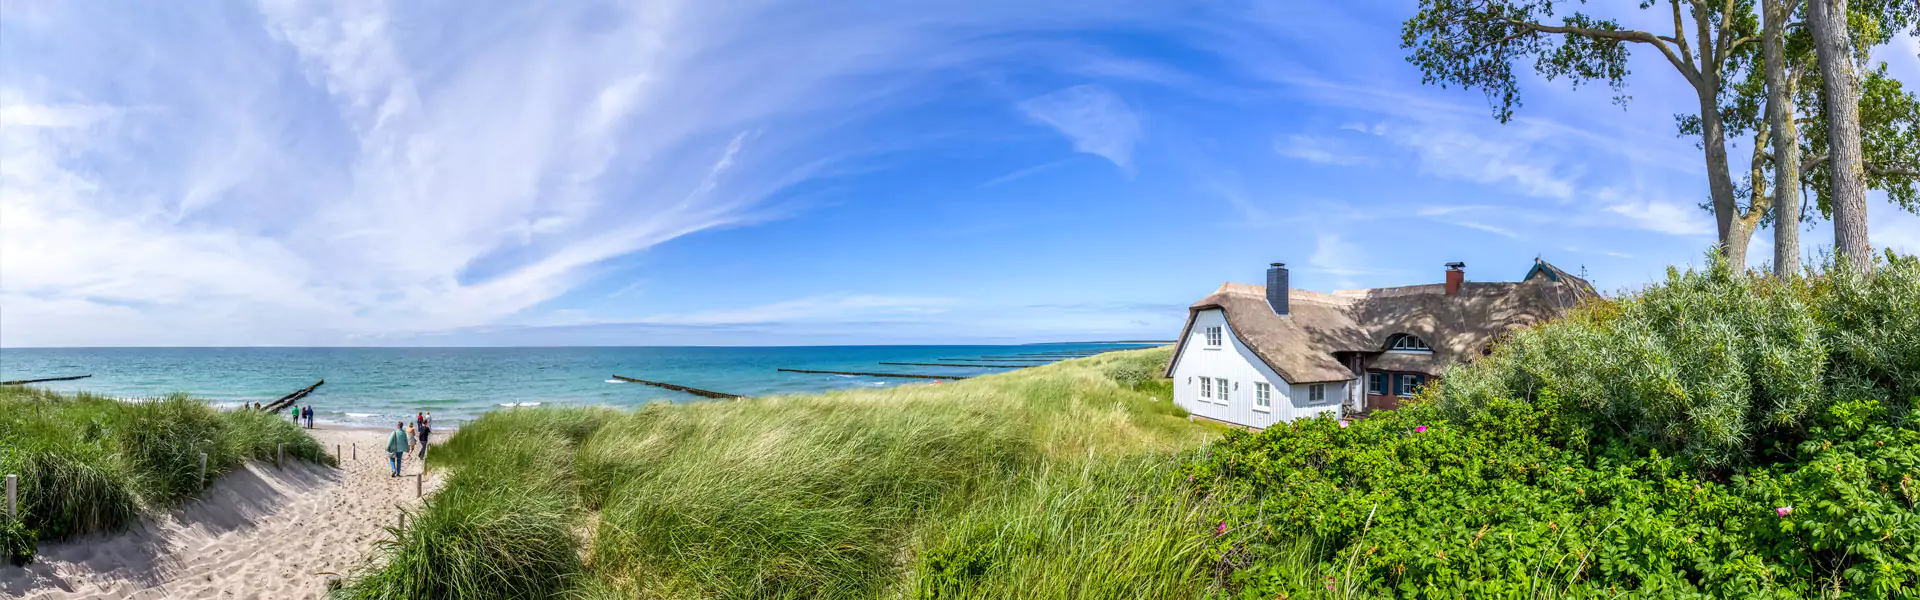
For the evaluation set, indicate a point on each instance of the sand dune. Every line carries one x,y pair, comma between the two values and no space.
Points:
259,532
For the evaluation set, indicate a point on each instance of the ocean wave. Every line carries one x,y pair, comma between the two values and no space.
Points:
362,415
615,381
519,404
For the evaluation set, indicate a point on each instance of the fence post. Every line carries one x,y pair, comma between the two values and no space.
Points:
337,456
13,497
279,454
203,470
419,482
356,451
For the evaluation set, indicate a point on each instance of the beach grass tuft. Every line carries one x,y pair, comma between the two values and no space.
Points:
853,494
90,464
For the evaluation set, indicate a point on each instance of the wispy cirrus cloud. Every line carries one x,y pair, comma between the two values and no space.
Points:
1320,150
1097,120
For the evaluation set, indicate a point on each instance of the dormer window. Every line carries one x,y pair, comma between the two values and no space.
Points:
1213,335
1407,343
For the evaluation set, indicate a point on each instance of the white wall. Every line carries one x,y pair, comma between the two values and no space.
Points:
1240,367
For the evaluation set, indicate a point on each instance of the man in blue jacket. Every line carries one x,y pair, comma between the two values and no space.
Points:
398,445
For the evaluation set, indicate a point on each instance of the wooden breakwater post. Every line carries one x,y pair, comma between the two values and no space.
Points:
13,497
679,388
45,379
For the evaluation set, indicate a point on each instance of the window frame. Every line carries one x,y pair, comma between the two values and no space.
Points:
1399,343
1206,388
1316,393
1386,383
1215,335
1223,397
1408,383
1262,396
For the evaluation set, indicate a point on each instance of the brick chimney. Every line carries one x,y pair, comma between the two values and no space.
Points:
1277,288
1456,274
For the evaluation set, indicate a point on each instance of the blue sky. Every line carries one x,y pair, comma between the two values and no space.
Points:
666,173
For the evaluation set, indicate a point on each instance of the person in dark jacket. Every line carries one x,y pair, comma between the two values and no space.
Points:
426,429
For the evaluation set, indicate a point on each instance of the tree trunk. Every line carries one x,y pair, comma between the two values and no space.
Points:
1786,142
1713,136
1833,46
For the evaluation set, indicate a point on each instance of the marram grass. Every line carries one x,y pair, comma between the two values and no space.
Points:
854,494
90,464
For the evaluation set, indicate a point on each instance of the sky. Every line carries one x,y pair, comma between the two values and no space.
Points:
368,173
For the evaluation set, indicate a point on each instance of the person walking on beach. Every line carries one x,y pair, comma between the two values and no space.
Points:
397,446
426,429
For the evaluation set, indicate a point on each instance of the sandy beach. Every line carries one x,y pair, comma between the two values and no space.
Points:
259,532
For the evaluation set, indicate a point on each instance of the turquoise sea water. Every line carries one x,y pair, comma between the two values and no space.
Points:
375,386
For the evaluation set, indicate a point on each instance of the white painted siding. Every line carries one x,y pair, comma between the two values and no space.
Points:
1236,363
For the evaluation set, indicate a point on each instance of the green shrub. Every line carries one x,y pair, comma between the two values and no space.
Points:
1715,436
1713,367
91,464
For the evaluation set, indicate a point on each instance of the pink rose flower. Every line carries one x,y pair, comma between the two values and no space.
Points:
1420,429
1343,423
1783,511
1221,530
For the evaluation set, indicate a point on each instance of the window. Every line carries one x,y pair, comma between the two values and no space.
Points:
1262,397
1222,383
1213,335
1410,383
1316,393
1206,387
1407,343
1376,383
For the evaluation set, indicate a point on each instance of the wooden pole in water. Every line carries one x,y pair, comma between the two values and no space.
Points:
13,497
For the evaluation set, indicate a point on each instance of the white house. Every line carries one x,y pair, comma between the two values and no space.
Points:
1258,355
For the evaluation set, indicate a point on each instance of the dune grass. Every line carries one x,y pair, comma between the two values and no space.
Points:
855,494
91,464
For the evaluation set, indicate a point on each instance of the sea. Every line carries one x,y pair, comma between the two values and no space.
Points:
377,386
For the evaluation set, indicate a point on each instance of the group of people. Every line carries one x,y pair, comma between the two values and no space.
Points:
401,441
303,412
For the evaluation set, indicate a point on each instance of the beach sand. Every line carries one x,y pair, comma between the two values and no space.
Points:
259,532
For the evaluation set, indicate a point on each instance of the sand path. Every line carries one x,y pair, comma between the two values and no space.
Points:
259,532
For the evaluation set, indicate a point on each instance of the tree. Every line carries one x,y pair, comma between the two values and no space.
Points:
1475,44
1785,136
1833,43
1887,117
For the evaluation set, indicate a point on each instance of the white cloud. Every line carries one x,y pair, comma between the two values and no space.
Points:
1657,215
1319,150
1093,117
1340,258
340,171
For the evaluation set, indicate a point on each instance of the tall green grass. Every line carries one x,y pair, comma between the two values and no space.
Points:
90,464
840,495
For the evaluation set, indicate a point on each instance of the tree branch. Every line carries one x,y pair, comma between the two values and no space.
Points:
1686,69
1679,30
1807,164
1892,170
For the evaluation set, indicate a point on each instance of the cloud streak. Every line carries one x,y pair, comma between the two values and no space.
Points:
1093,117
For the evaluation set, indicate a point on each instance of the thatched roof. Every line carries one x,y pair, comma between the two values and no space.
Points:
1303,346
